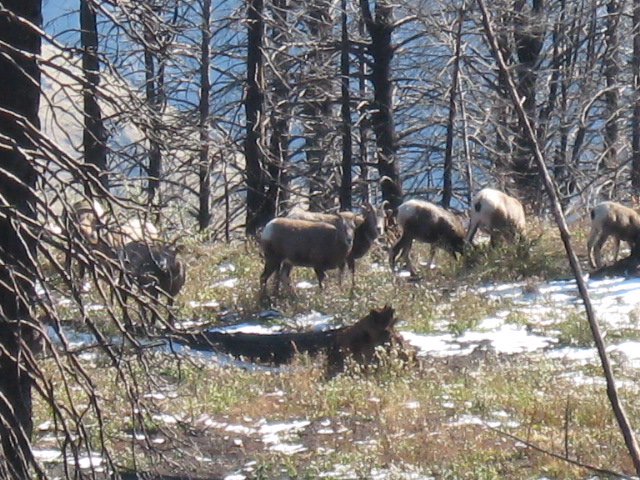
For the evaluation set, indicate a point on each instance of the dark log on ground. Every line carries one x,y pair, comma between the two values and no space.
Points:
358,341
276,348
625,267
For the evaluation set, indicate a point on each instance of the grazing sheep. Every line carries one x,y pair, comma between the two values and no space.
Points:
496,213
133,230
365,234
83,222
322,246
427,223
155,268
610,219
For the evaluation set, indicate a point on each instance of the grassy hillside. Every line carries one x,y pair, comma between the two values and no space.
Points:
481,415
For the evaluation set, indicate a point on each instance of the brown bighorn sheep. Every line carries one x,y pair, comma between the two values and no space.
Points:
610,219
365,234
154,268
496,213
428,223
322,246
89,224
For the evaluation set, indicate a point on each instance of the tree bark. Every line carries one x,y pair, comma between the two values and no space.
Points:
381,49
277,183
257,214
345,110
611,73
635,120
19,101
529,36
94,135
204,162
447,177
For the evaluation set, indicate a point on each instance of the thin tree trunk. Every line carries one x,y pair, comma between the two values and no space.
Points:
318,108
253,108
94,134
20,95
381,50
635,120
529,36
611,72
347,147
447,180
204,210
277,184
612,391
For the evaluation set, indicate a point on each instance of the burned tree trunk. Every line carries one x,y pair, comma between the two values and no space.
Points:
381,50
94,135
204,169
19,102
257,212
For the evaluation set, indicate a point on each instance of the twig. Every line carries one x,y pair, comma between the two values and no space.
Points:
550,187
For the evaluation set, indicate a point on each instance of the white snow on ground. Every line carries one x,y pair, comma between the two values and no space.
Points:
615,301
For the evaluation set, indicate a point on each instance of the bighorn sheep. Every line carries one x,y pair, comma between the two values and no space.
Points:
365,234
610,219
319,245
428,223
89,224
155,268
496,213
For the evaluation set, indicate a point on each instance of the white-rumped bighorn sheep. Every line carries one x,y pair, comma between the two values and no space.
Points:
319,245
88,224
497,214
429,223
610,219
365,234
154,268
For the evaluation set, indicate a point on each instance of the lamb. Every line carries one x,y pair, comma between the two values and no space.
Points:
428,223
365,234
322,246
611,219
154,268
496,213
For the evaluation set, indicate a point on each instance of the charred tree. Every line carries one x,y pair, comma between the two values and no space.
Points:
345,110
380,30
611,97
19,101
529,37
317,108
635,119
277,183
94,134
204,160
258,211
447,178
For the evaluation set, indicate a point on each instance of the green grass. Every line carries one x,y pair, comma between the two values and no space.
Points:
394,418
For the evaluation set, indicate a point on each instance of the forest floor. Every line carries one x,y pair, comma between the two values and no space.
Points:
507,385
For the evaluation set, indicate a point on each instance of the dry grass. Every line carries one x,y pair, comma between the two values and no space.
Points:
442,418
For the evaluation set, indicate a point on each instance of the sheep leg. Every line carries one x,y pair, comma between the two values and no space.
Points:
593,236
598,250
432,255
473,228
616,248
321,276
405,256
351,263
270,265
397,247
285,275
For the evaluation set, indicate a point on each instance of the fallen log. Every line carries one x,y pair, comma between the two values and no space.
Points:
358,341
626,267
